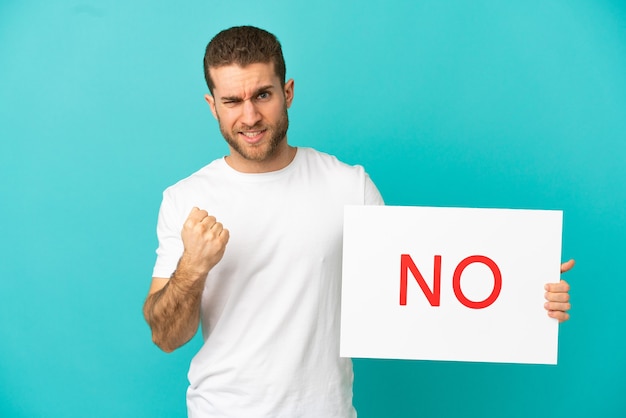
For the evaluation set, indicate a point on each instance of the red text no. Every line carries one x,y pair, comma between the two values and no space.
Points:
434,295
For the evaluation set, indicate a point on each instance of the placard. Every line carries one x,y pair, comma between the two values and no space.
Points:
455,284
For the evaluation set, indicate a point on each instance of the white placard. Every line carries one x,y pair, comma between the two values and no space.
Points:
475,315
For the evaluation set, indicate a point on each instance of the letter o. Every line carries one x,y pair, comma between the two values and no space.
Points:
497,285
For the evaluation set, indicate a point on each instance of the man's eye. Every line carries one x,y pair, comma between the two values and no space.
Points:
263,96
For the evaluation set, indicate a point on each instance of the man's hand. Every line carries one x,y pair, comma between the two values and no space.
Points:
204,241
557,296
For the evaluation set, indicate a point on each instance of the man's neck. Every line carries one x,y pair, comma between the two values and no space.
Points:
279,160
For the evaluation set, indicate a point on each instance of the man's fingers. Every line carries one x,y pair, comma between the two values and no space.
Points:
557,306
557,297
567,265
216,230
561,316
196,215
208,221
214,227
560,287
557,291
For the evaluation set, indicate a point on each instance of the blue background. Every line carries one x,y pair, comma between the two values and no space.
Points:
446,103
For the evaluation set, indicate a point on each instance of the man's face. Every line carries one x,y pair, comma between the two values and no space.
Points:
250,103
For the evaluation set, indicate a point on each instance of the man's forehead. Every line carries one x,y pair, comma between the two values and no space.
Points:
236,79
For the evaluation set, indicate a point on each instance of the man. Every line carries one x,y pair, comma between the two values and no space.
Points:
266,291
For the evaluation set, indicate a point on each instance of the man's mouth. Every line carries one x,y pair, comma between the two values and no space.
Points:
252,137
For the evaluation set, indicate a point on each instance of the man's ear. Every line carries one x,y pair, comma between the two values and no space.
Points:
211,101
288,90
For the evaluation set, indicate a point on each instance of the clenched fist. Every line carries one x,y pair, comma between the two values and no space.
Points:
204,241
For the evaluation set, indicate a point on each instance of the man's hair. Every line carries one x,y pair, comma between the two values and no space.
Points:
243,45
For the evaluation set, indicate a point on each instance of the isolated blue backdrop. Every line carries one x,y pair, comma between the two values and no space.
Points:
453,103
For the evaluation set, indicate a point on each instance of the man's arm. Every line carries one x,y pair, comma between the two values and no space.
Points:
172,308
557,296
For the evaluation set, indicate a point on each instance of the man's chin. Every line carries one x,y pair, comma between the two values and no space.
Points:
256,153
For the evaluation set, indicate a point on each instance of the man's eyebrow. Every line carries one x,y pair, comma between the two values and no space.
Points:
258,91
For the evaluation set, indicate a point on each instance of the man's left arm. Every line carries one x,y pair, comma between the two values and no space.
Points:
557,296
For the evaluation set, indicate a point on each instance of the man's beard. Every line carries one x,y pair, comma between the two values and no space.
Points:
277,134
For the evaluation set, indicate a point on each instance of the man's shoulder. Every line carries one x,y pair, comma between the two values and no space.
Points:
198,178
328,160
339,178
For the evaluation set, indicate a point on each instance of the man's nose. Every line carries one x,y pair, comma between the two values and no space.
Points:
250,114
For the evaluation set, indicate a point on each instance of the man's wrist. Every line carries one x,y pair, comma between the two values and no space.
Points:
186,278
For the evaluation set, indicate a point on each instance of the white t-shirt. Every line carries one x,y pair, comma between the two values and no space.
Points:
271,307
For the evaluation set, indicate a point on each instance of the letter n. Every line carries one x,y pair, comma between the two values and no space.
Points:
406,264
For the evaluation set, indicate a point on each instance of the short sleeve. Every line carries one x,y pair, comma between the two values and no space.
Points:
170,247
372,195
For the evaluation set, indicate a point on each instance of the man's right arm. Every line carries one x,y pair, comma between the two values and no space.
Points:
172,308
